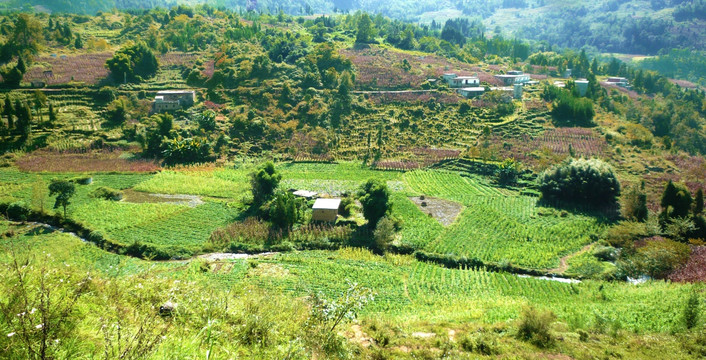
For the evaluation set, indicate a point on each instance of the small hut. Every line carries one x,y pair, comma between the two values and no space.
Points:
326,210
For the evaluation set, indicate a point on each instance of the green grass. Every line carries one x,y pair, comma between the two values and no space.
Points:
214,185
418,229
498,225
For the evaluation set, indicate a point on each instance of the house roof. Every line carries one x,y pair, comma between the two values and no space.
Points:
305,193
327,204
477,88
166,92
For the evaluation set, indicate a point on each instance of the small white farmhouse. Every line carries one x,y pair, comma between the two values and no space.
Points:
325,210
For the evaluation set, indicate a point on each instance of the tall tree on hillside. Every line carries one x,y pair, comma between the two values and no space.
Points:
9,111
52,114
21,66
63,190
699,202
366,31
264,181
676,201
24,120
375,198
39,102
27,36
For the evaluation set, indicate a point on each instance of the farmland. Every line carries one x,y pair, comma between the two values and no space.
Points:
562,221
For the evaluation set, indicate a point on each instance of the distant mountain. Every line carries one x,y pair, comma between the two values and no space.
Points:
620,26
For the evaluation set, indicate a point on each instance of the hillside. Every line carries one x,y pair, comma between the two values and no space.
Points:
161,173
614,26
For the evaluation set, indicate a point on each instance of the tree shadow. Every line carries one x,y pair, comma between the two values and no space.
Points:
605,215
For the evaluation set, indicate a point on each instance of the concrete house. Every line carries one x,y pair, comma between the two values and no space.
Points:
171,100
513,77
471,92
456,81
325,210
618,81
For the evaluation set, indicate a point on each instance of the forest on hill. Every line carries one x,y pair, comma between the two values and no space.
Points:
617,26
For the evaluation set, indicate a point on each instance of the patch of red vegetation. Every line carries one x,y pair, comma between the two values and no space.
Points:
172,59
420,157
411,97
209,68
94,161
561,141
694,270
85,68
630,93
383,69
683,83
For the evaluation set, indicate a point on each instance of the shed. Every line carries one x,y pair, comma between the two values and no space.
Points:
326,210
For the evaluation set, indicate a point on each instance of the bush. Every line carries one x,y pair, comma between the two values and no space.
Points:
17,211
107,193
625,233
480,343
581,181
657,259
384,234
534,326
692,310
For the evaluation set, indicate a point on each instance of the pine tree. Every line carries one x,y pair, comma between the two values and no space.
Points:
21,65
52,114
699,202
79,42
24,120
9,111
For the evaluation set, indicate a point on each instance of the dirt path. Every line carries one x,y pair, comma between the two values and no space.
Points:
563,262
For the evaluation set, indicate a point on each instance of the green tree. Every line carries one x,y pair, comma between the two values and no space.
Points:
284,210
21,66
133,63
676,201
63,190
581,181
375,198
366,31
507,172
52,114
9,111
699,202
24,120
79,42
634,205
384,234
264,181
27,36
39,102
12,77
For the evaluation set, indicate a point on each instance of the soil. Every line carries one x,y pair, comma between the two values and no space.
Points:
138,197
442,210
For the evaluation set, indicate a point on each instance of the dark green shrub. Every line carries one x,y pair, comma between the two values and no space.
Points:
17,211
107,193
581,181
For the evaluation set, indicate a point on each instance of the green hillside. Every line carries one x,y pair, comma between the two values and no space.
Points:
202,182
